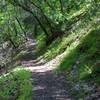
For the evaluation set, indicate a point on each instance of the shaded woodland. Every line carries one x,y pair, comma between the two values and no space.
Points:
35,32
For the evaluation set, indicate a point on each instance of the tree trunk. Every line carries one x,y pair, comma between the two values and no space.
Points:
46,18
12,43
31,12
21,27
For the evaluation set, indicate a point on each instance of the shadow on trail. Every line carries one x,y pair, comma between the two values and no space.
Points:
46,84
49,86
29,56
29,64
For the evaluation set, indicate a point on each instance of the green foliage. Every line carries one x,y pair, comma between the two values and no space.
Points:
82,19
55,14
59,46
72,57
87,53
16,85
41,47
74,18
10,29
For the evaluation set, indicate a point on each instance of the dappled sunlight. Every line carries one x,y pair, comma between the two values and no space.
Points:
37,88
43,67
49,49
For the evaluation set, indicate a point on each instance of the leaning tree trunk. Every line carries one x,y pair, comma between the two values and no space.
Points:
21,27
36,17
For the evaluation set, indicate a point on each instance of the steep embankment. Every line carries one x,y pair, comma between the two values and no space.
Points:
82,65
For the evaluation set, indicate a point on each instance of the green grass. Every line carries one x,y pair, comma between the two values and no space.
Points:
41,47
16,85
88,54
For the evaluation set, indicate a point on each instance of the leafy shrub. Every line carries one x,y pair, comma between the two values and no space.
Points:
16,86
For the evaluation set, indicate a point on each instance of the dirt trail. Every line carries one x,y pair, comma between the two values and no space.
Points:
47,85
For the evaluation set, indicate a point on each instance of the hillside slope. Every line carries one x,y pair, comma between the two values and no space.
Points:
82,65
82,61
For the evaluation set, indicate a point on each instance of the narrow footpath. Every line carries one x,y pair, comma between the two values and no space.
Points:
47,85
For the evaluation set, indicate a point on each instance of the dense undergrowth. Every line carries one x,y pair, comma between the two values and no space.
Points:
87,57
82,65
16,85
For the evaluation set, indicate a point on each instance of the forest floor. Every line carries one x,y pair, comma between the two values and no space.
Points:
47,85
